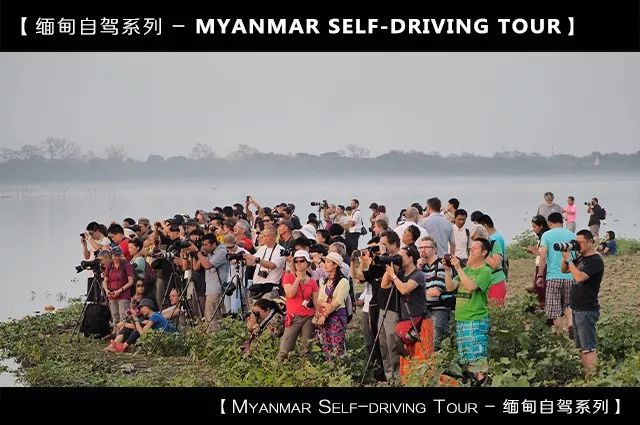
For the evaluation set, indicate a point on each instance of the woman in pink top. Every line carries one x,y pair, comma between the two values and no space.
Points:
302,294
569,213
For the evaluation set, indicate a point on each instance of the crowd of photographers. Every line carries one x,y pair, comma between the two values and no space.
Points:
297,282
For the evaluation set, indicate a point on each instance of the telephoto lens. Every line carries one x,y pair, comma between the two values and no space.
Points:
566,246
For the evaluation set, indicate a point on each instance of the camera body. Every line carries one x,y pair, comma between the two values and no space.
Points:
308,303
447,259
286,252
263,273
89,265
384,260
588,204
238,256
567,246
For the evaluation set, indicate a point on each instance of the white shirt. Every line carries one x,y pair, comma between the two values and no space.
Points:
461,240
272,255
401,228
356,218
366,297
103,241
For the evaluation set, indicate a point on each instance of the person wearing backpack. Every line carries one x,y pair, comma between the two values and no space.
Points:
118,278
331,310
497,261
596,214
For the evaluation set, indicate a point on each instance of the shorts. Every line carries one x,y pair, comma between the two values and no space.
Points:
584,329
557,297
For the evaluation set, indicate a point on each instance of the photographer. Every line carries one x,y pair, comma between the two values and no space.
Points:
331,307
118,278
471,312
414,328
286,239
587,271
365,270
189,259
265,316
213,259
237,271
269,264
596,213
439,302
301,292
388,298
558,284
93,241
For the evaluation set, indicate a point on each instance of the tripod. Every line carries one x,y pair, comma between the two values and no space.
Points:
178,283
95,283
375,341
236,283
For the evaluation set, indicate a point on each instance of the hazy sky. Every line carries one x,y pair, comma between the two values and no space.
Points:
317,102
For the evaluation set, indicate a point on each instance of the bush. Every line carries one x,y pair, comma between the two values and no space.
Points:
628,246
520,242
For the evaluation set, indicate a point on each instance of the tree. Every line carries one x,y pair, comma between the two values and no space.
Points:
7,155
115,153
57,148
243,152
202,151
356,151
31,153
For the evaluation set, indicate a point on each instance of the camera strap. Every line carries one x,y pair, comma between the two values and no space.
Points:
269,260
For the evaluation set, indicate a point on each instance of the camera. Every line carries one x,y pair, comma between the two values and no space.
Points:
447,259
356,254
389,259
263,273
235,256
286,252
181,244
322,204
197,244
308,303
587,203
567,246
230,288
375,249
88,265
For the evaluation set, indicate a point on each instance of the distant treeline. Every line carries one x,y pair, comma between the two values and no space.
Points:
57,159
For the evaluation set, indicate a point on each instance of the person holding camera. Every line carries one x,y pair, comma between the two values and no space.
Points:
269,263
331,307
471,311
301,292
558,284
213,259
389,305
587,271
414,328
596,213
93,241
118,278
265,319
237,269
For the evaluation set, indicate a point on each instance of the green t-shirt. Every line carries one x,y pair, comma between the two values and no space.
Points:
473,305
498,248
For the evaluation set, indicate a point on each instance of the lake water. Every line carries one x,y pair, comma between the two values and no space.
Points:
40,224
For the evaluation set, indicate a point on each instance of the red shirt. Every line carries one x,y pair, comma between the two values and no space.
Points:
124,246
117,278
305,291
247,244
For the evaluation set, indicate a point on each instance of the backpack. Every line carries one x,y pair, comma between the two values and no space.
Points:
602,214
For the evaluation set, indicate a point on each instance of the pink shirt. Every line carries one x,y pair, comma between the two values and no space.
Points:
570,213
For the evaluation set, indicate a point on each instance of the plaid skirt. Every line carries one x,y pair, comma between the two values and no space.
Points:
472,338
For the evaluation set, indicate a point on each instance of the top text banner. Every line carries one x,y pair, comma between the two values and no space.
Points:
517,26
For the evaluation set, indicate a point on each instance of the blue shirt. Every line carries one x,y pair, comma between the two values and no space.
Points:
554,258
613,247
160,323
499,247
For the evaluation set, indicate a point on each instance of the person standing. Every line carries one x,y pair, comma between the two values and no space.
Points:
596,213
548,206
558,284
569,213
498,262
587,271
461,236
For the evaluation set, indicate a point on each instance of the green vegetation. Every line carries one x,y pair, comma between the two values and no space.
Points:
523,350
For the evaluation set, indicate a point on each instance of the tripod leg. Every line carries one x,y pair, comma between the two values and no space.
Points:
375,341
